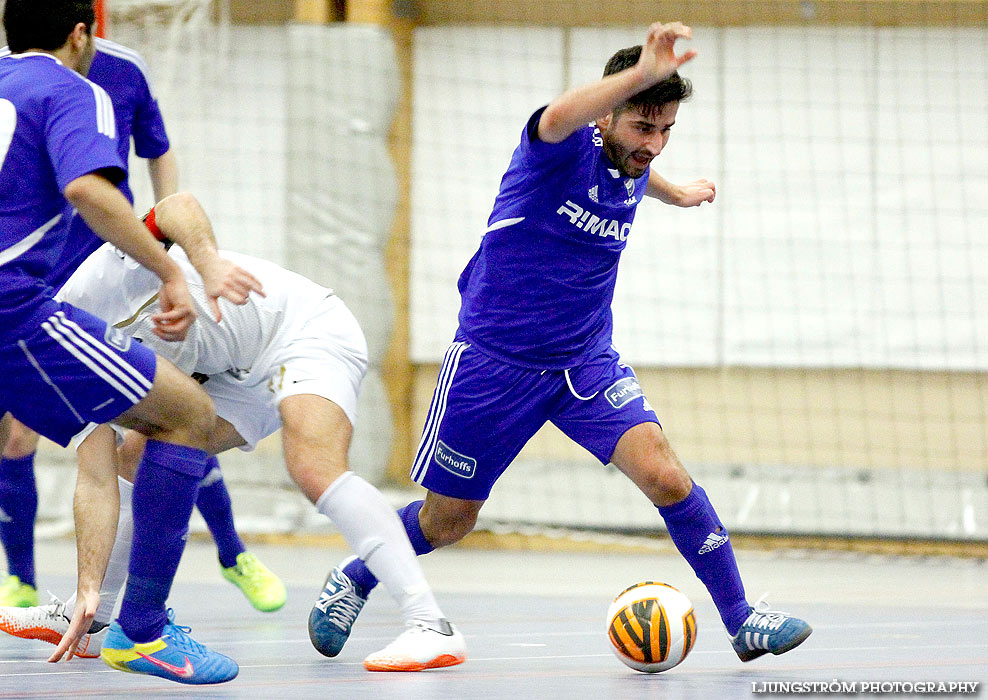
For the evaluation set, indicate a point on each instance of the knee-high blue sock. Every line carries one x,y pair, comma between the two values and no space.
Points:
164,493
701,538
213,502
18,508
357,570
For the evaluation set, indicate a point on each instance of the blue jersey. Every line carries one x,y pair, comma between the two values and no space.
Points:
55,126
538,291
124,75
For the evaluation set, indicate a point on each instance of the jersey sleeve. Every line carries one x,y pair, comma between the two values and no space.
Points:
539,154
150,137
81,134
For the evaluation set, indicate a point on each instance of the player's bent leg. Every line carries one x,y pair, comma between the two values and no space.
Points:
644,455
447,520
18,509
178,417
316,437
175,410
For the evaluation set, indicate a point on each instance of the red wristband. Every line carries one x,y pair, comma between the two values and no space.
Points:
152,226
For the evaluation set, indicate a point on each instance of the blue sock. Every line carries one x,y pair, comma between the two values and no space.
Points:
213,502
701,538
357,570
164,493
18,508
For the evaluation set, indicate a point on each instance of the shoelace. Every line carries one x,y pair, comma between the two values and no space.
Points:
765,618
180,635
344,610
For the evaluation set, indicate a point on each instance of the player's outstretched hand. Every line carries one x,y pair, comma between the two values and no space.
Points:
222,278
695,193
177,313
86,605
658,59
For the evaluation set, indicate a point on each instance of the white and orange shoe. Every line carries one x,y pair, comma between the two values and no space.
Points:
48,623
422,646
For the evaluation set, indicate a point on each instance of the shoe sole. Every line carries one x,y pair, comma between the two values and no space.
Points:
441,661
167,676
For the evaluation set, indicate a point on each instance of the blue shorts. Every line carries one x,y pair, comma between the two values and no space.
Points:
68,368
484,411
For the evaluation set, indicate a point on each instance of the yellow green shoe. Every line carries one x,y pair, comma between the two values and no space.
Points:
14,594
263,589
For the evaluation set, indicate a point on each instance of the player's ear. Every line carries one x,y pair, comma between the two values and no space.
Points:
80,35
605,121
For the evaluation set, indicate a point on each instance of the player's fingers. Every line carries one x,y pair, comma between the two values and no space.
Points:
171,336
688,56
678,30
70,640
214,306
253,283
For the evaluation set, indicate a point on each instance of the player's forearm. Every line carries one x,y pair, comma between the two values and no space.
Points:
587,103
110,216
181,219
164,175
662,189
96,507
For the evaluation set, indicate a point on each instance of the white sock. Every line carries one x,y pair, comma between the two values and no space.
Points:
372,529
116,568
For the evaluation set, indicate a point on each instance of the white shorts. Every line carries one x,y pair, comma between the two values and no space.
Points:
321,351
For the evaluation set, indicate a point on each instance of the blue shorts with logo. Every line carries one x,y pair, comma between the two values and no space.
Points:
484,411
66,368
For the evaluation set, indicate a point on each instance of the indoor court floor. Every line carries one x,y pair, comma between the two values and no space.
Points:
535,629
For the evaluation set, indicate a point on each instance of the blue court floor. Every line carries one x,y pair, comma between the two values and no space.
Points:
535,629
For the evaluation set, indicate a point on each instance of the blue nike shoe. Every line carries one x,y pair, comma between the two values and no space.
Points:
174,655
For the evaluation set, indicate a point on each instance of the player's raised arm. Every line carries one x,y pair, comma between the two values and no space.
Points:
181,219
581,105
109,215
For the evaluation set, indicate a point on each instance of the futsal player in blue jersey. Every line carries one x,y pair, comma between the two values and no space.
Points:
534,340
63,368
122,73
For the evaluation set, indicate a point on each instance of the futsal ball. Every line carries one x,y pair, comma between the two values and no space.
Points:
651,626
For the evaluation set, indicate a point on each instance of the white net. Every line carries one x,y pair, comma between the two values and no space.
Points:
814,342
266,123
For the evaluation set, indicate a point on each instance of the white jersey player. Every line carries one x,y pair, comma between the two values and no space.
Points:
292,359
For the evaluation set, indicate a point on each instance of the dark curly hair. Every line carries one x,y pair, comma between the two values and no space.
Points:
675,88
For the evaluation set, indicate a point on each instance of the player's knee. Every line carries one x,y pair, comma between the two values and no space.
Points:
443,527
665,480
197,421
667,484
21,441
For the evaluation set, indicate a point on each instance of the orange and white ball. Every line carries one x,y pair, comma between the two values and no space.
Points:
651,626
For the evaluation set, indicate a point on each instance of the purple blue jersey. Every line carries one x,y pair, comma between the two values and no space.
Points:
538,291
55,126
122,73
